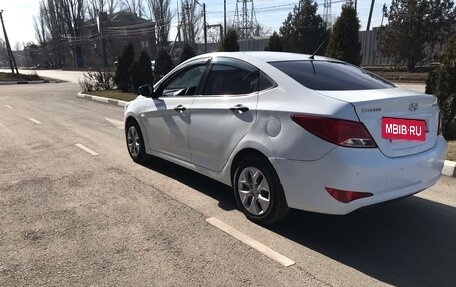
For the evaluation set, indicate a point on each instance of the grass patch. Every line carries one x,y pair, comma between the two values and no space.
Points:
113,94
451,151
19,77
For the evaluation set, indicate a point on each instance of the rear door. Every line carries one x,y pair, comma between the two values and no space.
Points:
224,113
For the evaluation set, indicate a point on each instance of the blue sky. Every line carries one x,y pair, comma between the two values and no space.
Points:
18,15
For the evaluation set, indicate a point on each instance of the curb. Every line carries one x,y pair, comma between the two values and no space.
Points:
102,100
449,168
26,82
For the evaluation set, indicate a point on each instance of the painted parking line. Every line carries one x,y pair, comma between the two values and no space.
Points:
285,261
118,124
8,106
86,149
35,121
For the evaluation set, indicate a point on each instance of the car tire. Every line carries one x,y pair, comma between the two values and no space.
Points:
135,142
258,191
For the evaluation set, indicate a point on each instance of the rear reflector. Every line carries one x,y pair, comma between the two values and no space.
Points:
346,196
337,131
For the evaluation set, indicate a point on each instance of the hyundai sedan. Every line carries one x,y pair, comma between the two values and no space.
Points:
290,130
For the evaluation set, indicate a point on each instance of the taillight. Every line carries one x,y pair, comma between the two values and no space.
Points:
439,131
346,196
340,132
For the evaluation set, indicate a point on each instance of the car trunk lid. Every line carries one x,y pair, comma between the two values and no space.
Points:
400,107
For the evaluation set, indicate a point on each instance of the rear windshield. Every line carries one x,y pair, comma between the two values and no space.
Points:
331,76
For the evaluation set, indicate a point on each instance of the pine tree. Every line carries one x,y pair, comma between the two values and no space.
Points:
344,40
187,53
415,27
122,77
163,64
304,30
229,42
442,83
141,72
275,43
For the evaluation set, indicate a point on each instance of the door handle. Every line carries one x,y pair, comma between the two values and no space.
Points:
180,108
239,108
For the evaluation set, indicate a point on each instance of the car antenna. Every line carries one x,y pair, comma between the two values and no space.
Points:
316,51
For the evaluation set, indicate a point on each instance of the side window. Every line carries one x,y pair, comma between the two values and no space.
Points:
266,82
231,79
185,83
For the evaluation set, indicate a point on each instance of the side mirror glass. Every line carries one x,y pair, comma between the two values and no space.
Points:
147,91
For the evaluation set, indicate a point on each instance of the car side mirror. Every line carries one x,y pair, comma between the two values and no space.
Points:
148,91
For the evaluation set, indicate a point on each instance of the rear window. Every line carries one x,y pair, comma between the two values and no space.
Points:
331,76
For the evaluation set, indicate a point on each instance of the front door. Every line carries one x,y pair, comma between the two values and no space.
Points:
168,116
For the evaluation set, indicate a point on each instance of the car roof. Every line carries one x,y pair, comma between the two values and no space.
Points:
271,56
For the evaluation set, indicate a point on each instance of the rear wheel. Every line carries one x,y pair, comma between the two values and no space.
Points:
135,142
258,191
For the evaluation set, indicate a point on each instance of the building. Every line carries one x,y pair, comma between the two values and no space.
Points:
106,36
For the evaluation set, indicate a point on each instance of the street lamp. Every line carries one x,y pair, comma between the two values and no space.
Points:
205,26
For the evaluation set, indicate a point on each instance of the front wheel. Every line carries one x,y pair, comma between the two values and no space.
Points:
258,191
135,142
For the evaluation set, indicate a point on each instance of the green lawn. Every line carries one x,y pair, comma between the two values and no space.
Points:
113,94
19,77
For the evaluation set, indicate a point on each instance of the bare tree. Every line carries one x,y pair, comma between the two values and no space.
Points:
161,14
191,21
96,6
134,6
40,30
73,19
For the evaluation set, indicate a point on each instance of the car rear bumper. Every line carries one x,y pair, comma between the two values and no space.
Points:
362,170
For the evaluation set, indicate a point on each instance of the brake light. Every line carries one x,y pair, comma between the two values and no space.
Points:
346,196
340,132
439,131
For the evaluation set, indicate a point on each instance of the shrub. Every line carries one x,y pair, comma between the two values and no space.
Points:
124,65
229,42
187,53
141,72
98,80
275,43
442,83
163,64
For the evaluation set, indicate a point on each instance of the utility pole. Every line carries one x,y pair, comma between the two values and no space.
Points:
102,19
370,15
205,24
12,62
356,6
384,12
205,28
224,19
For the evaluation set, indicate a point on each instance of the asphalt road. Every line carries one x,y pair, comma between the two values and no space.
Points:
71,218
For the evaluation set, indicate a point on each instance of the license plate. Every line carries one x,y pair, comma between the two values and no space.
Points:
403,129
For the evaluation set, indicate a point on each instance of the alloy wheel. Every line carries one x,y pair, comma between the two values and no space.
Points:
254,192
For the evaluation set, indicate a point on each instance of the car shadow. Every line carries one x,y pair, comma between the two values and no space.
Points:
218,191
407,242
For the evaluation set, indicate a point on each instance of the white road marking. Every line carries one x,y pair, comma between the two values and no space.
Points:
86,149
285,261
35,121
8,106
118,124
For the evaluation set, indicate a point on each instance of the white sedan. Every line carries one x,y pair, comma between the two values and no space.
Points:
290,130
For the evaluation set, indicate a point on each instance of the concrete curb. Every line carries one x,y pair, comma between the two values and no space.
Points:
26,82
102,100
449,168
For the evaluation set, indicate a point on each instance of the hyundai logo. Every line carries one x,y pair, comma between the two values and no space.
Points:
413,107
